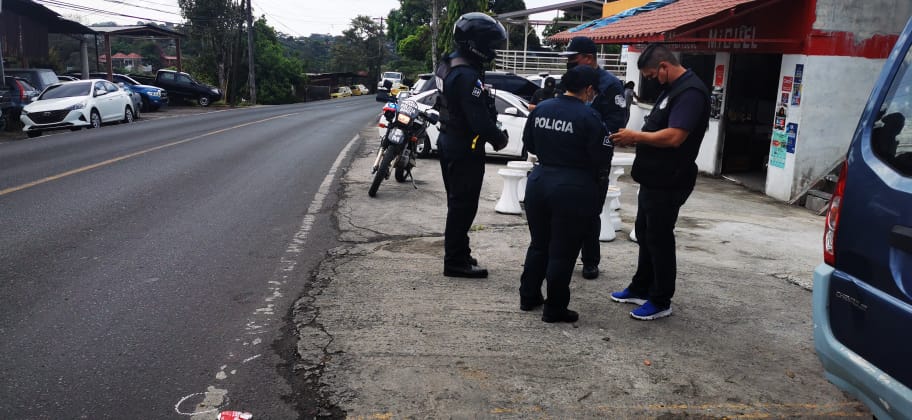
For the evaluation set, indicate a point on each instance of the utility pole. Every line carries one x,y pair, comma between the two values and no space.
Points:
379,47
251,75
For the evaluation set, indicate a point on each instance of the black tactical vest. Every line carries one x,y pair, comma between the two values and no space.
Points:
671,167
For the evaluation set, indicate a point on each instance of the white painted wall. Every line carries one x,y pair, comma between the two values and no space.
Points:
834,93
863,17
710,158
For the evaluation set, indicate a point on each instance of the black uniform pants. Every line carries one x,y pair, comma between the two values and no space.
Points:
657,265
557,199
591,246
462,178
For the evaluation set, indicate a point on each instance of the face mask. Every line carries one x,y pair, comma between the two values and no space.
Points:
591,100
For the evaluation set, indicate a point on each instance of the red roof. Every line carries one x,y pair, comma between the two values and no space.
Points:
134,55
655,25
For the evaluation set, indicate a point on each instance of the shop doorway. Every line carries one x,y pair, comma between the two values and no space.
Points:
748,118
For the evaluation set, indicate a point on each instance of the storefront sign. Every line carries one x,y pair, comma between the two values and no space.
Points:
744,34
792,132
777,149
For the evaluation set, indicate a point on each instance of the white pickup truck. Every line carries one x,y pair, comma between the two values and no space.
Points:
393,76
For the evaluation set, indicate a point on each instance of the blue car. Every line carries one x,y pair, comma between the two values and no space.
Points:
862,300
153,97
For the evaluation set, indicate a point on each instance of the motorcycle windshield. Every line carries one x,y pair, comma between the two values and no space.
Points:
409,109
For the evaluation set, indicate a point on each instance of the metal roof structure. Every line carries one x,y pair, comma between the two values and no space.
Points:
584,7
56,24
148,30
671,23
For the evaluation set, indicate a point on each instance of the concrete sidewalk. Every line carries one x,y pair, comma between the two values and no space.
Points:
386,335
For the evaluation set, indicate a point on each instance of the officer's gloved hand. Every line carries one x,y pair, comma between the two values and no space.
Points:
500,143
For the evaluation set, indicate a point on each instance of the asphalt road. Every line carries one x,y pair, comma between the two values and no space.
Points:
148,270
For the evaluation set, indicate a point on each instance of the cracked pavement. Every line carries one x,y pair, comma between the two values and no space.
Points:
383,334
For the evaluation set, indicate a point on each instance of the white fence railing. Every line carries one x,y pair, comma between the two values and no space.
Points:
535,62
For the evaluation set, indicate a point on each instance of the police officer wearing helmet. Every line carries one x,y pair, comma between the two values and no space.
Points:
572,147
468,120
612,108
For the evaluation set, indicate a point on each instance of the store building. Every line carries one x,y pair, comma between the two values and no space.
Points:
789,78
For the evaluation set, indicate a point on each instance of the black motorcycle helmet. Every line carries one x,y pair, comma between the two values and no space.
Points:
479,35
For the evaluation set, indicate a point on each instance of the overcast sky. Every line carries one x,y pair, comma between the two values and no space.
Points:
293,17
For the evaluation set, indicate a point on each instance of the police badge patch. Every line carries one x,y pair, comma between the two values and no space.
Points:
620,101
476,92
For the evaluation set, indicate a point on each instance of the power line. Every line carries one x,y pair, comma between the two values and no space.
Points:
139,7
80,8
294,32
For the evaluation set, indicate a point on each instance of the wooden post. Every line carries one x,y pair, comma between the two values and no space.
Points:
179,65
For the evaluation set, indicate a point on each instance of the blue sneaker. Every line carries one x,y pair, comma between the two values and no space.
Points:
648,312
625,296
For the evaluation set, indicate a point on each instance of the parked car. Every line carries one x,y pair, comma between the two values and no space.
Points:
181,86
15,94
39,78
512,113
67,78
862,298
358,90
153,97
73,105
135,97
515,84
539,79
342,92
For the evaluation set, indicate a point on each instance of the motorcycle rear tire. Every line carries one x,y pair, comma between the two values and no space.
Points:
382,171
401,175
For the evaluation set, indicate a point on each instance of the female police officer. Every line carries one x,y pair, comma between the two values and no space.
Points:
572,145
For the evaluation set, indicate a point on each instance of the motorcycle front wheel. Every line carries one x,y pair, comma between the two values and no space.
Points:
382,172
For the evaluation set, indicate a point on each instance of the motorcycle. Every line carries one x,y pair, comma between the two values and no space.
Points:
406,124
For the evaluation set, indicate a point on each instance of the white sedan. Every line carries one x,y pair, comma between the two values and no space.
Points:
512,113
73,105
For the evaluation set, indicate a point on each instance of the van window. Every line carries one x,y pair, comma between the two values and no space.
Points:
890,139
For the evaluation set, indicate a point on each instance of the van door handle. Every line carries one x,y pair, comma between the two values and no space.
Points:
901,237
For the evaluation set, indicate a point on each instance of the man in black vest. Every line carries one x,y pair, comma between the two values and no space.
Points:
468,120
666,151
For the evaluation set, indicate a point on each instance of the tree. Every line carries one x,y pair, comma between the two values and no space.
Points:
278,72
455,9
214,26
361,47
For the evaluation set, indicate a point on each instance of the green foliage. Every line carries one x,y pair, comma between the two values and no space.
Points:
416,46
278,72
455,9
214,27
361,47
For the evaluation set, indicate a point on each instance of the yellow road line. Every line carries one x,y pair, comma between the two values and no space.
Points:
131,155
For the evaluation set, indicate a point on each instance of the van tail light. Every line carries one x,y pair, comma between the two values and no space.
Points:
832,219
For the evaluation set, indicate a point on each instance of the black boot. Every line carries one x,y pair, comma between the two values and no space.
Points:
565,316
465,270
